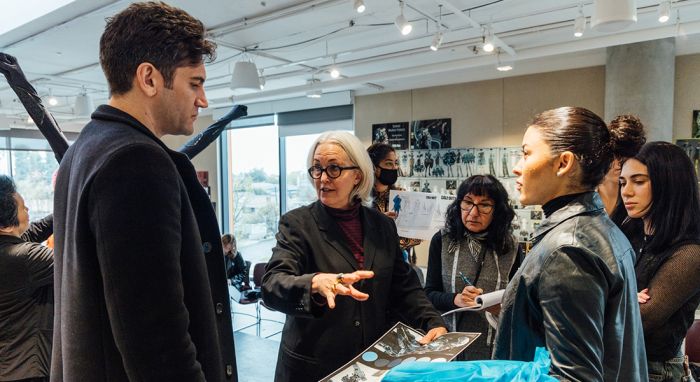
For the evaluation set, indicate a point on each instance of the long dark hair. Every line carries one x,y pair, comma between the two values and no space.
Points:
501,227
674,214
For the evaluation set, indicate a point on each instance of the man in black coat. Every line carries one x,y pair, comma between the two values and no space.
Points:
140,284
26,286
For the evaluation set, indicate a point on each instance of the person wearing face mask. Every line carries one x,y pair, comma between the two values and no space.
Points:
476,246
386,173
668,262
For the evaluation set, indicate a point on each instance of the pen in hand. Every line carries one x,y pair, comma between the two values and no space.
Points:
465,279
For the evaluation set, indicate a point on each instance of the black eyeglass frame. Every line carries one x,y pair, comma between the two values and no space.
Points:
328,169
478,207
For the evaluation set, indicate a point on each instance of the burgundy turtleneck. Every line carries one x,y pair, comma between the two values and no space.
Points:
351,226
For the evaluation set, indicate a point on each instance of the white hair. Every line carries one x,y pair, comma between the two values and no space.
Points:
358,156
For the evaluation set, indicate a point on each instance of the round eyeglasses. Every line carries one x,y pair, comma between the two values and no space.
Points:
332,170
482,208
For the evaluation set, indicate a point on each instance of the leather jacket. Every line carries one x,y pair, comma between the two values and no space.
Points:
576,295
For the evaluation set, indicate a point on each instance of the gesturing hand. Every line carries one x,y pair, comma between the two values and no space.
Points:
329,285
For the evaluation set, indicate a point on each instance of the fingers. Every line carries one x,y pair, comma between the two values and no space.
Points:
432,335
349,290
349,278
330,297
643,296
473,290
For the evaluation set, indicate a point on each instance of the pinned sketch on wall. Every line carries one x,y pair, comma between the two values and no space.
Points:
692,149
696,124
419,214
509,158
394,134
431,134
397,346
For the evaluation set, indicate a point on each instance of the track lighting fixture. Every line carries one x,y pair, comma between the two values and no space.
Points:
437,39
261,79
359,6
488,46
664,11
52,101
334,72
404,26
314,92
579,23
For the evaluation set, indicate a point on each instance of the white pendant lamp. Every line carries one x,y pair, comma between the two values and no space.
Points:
613,15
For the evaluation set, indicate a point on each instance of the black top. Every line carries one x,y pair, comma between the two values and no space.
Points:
553,205
26,303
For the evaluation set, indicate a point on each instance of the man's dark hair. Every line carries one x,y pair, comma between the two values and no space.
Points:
8,204
499,232
675,198
153,32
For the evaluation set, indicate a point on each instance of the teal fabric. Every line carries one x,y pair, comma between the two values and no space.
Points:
476,371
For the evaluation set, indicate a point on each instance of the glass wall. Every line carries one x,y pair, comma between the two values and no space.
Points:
254,197
26,156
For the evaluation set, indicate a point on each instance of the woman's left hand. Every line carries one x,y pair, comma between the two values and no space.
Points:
643,296
432,335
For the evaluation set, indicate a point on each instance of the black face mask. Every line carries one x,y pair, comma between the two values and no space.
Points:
388,177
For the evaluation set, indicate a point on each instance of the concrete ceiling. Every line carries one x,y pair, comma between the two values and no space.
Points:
295,40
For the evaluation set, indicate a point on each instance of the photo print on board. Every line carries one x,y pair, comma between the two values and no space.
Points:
394,134
431,134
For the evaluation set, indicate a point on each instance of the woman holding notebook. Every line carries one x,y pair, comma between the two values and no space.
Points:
475,253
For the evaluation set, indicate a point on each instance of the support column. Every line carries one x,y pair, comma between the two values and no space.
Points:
639,80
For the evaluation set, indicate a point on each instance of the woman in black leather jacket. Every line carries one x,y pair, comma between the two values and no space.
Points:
575,292
668,261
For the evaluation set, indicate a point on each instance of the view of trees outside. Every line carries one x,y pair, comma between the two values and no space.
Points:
32,172
300,191
255,191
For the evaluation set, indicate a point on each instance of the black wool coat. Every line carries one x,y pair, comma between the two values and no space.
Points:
141,293
317,340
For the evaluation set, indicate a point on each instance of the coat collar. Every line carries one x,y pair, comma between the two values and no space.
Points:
333,235
10,239
585,203
110,113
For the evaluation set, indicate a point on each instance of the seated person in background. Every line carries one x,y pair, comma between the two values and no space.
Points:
26,290
475,253
237,269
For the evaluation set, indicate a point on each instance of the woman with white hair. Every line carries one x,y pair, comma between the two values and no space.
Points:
339,246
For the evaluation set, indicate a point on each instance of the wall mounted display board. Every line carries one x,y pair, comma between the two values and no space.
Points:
441,171
394,134
431,134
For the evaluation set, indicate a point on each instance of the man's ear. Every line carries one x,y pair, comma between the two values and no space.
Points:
6,229
566,163
148,79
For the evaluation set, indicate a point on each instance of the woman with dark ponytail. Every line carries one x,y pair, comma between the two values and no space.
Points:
659,193
575,292
628,132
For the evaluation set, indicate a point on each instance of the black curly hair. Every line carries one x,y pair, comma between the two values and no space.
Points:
8,204
501,227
